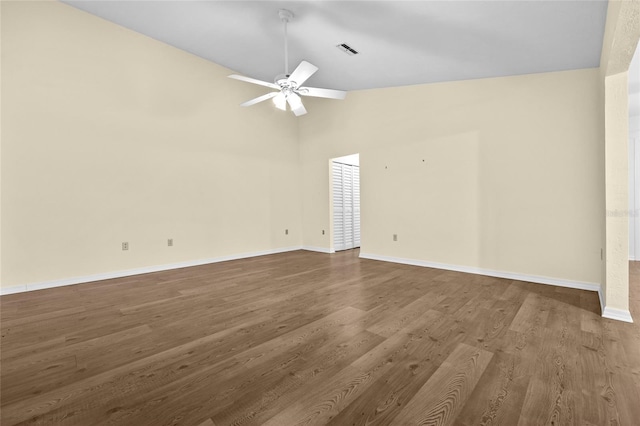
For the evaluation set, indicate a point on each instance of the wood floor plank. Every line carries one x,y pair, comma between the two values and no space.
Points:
265,400
620,386
552,392
183,367
34,361
304,337
403,316
444,395
379,404
595,378
319,405
43,317
261,360
116,382
44,377
532,316
498,401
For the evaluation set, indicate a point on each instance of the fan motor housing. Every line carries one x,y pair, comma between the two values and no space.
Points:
282,81
285,15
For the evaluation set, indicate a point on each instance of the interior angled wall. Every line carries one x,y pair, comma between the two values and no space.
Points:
622,32
493,175
110,136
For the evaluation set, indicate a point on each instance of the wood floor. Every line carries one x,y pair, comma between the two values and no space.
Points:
311,338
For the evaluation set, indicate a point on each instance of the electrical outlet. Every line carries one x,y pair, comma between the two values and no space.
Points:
170,242
286,232
395,237
125,246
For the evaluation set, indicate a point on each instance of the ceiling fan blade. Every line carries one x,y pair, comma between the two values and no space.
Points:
254,81
322,93
296,104
300,111
280,101
260,99
302,73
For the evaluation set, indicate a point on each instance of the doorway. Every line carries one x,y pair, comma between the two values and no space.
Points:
346,202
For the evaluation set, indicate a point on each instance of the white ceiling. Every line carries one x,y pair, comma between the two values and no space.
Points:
400,42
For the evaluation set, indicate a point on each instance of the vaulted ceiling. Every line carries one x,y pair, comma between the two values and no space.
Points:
399,42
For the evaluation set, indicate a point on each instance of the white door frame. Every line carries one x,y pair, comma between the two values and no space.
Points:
351,160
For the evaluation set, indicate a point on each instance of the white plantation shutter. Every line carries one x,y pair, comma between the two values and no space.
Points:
338,208
346,206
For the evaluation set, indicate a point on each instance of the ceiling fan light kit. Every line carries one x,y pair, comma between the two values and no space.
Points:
289,86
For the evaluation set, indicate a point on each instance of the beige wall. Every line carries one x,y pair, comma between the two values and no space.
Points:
110,136
500,174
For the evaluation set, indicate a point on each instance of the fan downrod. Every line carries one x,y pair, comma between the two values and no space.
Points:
285,16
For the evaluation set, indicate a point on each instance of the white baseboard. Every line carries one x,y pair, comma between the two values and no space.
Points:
13,290
617,314
488,272
137,271
611,313
318,249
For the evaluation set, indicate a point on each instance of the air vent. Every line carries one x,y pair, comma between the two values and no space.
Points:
347,49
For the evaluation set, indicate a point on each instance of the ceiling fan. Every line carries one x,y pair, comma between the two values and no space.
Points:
289,86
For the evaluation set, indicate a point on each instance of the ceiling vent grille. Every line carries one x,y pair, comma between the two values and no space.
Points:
347,49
